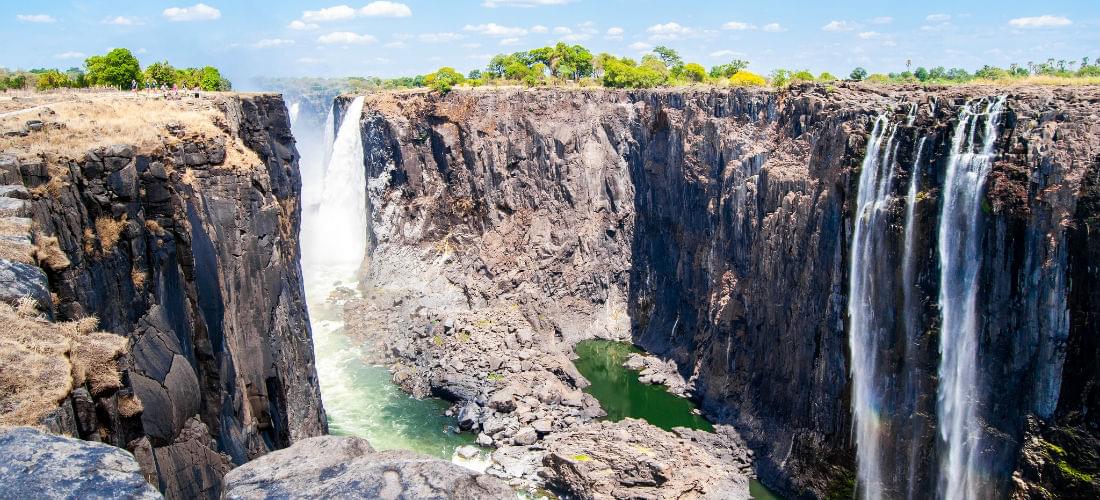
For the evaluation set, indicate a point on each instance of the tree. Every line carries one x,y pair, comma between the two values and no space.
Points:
474,74
802,76
211,80
991,73
858,74
780,77
160,73
118,68
670,58
825,76
444,79
625,73
52,79
694,72
921,73
729,69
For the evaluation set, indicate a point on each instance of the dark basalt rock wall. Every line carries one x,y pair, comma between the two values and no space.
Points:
719,222
191,251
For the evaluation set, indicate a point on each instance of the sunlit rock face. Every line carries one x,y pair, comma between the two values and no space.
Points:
715,228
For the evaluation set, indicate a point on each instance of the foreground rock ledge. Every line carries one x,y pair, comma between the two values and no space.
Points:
348,467
40,465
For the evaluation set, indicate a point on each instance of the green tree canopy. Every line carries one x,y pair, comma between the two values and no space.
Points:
161,73
858,74
670,58
118,68
52,79
694,72
444,79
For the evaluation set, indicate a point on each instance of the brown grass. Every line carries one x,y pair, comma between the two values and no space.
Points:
41,362
109,231
91,121
48,252
154,227
17,251
129,406
138,277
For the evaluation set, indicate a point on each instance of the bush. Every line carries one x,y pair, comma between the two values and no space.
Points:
1093,70
780,77
858,74
802,76
747,79
825,76
160,73
52,79
694,72
623,73
444,79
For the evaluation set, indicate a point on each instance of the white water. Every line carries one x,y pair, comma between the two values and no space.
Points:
959,250
294,108
338,235
874,179
911,311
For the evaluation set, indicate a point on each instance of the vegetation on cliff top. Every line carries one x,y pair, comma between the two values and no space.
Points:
118,69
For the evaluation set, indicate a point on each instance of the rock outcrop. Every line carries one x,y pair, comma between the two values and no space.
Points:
41,465
348,467
185,243
712,227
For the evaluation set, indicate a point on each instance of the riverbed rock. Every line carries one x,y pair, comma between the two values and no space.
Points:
40,465
633,459
348,467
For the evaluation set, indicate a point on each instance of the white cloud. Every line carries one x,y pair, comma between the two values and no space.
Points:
268,43
197,12
773,28
445,37
641,46
725,53
336,13
309,60
738,26
614,33
473,45
882,20
493,29
36,18
141,51
301,25
562,30
509,41
668,31
1047,21
867,35
345,38
839,26
577,37
523,3
70,55
383,8
937,18
123,21
396,45
538,28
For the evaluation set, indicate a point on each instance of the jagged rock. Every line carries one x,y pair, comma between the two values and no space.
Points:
348,467
39,465
641,462
525,436
18,280
469,416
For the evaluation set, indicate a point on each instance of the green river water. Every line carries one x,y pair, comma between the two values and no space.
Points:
621,395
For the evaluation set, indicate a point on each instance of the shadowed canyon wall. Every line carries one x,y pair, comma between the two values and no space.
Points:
714,227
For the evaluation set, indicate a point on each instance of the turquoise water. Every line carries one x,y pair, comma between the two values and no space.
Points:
621,395
362,400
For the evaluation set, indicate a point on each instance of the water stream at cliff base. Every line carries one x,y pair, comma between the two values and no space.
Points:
360,398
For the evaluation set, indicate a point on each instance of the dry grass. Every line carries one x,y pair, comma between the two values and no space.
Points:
87,122
129,406
138,277
154,227
109,231
48,252
17,251
41,362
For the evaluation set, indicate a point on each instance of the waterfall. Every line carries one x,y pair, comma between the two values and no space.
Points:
294,109
959,250
339,233
875,178
911,311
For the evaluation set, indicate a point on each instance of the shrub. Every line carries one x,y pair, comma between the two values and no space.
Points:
802,76
623,73
160,72
878,78
780,77
747,79
52,79
858,74
444,79
826,77
694,72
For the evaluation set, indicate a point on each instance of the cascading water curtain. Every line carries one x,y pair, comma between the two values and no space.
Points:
959,240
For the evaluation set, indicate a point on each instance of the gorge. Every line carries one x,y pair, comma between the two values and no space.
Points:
874,292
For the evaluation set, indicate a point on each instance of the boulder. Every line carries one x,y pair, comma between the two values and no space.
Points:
40,465
348,467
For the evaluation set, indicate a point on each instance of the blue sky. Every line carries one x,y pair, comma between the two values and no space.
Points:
391,38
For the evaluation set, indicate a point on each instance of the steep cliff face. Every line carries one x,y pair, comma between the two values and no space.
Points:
186,245
713,227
